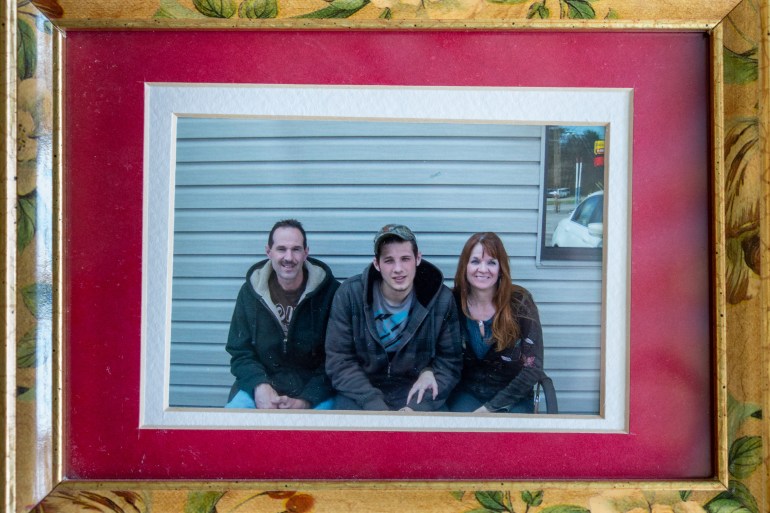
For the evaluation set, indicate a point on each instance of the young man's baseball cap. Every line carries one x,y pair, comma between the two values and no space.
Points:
393,230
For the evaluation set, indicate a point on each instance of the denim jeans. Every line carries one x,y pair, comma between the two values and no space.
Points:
244,400
461,401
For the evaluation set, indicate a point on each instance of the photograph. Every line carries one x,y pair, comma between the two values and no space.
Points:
255,199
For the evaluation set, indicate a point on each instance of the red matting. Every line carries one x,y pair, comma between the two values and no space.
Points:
670,397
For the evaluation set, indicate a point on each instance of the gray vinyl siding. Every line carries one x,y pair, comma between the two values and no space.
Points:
343,180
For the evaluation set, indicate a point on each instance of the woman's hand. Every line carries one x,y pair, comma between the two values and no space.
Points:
426,381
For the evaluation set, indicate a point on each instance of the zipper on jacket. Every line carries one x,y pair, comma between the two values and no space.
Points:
307,299
280,326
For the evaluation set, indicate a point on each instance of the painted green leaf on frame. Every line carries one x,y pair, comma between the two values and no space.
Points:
337,9
538,10
532,498
745,456
741,68
565,508
726,506
736,496
172,9
26,350
737,413
26,50
579,10
258,9
492,500
509,2
216,8
38,298
742,494
25,220
202,502
26,394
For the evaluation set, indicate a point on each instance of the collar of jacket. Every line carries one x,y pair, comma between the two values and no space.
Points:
317,274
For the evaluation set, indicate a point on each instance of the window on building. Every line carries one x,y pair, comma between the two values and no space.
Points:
573,194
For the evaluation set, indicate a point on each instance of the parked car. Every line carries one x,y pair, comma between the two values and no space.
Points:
561,192
584,227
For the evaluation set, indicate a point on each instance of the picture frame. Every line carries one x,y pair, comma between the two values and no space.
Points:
33,442
104,147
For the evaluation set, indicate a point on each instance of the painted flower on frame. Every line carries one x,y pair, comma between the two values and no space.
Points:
624,501
26,145
34,132
35,100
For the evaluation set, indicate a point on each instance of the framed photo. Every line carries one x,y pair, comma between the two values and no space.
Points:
363,135
423,453
689,302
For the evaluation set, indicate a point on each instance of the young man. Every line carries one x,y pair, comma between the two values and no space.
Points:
393,337
276,340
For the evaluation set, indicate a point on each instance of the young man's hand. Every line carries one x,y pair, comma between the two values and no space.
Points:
426,381
266,397
292,403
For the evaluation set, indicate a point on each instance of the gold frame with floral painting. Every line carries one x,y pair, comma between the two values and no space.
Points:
32,301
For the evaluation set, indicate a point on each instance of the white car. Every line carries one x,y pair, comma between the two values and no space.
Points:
584,228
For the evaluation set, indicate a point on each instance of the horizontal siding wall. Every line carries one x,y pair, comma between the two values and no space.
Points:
343,180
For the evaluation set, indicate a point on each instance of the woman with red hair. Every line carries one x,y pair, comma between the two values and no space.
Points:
500,329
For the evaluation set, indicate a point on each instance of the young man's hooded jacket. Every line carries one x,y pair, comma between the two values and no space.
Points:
292,365
357,363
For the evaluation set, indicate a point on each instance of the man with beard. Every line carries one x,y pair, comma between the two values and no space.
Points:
276,340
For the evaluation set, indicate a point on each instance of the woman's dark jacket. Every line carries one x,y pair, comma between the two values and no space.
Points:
259,352
502,378
357,363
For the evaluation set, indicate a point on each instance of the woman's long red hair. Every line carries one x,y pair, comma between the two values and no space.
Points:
505,327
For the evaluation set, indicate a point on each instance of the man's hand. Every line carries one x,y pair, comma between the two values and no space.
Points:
425,382
266,397
292,403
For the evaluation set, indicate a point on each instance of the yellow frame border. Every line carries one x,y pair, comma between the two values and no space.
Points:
729,323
